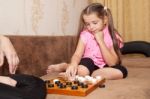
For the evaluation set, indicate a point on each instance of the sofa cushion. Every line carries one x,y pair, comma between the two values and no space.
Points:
136,62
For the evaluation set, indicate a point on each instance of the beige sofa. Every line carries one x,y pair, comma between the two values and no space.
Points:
37,52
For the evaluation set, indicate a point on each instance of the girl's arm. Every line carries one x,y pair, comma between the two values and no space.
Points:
72,68
78,53
109,55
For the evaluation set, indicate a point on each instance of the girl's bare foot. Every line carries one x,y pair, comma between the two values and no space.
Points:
57,68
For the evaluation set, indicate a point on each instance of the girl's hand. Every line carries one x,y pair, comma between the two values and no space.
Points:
10,54
8,81
71,72
99,36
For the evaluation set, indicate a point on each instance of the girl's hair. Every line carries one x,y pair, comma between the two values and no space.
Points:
101,12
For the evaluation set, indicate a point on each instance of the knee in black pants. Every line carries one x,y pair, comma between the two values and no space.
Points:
32,87
9,92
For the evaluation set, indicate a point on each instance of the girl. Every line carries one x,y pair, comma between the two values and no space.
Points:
98,48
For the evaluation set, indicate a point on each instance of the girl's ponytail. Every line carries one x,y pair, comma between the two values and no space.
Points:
113,32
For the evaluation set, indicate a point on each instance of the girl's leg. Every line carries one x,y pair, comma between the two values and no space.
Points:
108,73
61,67
113,72
86,67
82,70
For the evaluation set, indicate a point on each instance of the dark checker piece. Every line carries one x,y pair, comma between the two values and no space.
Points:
57,82
47,81
50,85
76,82
102,86
80,84
84,86
74,87
62,86
68,83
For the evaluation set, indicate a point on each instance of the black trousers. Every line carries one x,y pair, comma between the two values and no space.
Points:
28,87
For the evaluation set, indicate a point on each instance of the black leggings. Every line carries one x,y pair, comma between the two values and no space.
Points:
28,87
89,63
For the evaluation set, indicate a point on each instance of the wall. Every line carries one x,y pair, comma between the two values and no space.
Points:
40,17
60,17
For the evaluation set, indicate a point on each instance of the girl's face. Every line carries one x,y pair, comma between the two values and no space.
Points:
93,23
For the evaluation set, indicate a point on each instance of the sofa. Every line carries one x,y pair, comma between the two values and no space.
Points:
37,52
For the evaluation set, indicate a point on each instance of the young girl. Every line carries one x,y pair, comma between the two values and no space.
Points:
98,48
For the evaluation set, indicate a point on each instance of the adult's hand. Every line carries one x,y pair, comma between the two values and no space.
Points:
9,51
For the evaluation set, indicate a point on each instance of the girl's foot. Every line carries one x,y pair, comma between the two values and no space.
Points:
56,68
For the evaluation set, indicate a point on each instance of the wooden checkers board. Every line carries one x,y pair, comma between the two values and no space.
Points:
74,88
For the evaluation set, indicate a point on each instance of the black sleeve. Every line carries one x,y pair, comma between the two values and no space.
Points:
133,47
